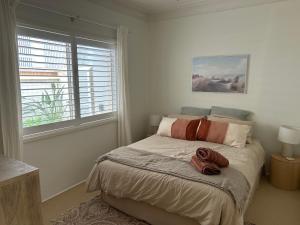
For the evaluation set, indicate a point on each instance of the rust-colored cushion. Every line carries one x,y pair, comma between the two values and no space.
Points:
203,129
185,129
226,133
217,132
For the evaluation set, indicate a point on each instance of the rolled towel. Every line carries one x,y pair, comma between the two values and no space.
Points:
209,155
205,167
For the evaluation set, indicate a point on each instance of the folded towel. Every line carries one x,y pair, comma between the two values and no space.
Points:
209,155
205,167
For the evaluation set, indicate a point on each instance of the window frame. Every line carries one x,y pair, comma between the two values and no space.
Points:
78,121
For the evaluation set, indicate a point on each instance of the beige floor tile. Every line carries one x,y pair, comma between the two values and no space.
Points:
270,206
70,199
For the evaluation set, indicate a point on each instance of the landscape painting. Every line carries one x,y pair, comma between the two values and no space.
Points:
226,74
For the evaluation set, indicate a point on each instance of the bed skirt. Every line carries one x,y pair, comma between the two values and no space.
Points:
146,212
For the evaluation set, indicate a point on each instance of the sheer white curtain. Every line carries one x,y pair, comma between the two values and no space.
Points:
10,118
124,129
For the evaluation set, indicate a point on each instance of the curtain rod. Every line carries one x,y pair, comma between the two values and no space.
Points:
72,17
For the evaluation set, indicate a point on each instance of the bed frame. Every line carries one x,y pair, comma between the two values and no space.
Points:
157,216
146,212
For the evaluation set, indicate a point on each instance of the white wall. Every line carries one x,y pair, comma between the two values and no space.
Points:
269,33
67,159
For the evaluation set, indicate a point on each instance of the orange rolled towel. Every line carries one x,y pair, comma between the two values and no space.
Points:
209,155
205,167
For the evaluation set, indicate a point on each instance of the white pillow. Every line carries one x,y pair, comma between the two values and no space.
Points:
237,135
165,126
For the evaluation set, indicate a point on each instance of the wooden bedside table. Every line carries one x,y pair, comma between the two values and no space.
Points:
285,174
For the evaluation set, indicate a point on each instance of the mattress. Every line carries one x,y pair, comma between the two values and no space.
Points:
203,203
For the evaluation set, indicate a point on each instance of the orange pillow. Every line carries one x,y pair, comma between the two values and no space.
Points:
178,128
185,129
231,134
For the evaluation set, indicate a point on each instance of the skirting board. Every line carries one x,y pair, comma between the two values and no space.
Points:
63,191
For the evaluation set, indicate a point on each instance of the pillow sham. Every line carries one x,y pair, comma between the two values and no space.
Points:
187,117
231,120
226,133
178,128
242,122
194,111
230,113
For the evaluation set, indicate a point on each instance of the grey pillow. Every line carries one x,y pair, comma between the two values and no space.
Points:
230,112
194,111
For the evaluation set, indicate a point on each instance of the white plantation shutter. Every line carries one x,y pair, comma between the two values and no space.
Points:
64,79
96,72
46,77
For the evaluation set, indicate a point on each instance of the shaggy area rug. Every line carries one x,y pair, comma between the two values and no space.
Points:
97,212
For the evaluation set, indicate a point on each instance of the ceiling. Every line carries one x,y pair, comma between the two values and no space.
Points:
166,9
160,6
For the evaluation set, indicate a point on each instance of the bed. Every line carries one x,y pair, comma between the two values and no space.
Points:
162,199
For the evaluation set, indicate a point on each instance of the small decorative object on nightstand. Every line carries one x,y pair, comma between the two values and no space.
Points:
285,174
289,136
154,121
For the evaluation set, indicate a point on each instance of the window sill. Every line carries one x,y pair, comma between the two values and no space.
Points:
65,130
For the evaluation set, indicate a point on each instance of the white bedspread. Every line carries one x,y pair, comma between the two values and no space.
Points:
204,203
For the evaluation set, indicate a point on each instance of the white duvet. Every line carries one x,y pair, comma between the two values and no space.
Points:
206,204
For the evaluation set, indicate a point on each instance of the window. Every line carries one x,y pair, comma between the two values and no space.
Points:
64,79
95,69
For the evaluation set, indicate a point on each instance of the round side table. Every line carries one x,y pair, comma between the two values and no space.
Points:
285,174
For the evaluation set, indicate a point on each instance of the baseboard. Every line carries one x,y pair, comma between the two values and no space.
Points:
63,191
